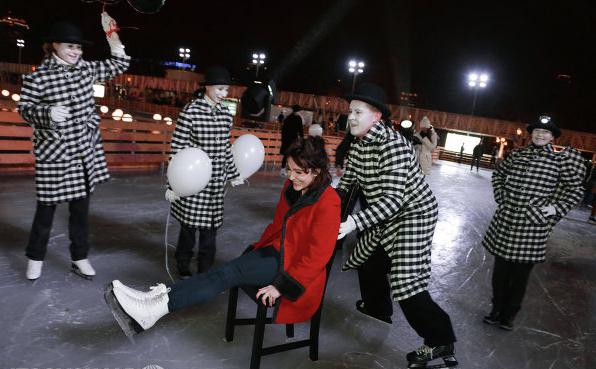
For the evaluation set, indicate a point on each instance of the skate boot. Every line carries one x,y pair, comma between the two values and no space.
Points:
506,323
34,269
492,318
153,291
83,268
425,354
144,312
126,323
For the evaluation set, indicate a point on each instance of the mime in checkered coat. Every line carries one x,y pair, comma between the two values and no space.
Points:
204,123
534,187
57,100
397,224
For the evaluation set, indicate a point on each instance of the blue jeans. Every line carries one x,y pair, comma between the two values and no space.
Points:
255,268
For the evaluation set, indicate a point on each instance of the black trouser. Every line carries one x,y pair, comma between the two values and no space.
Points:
78,230
186,244
354,196
477,161
423,314
509,286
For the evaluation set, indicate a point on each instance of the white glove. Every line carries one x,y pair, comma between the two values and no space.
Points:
59,114
548,211
346,227
110,27
171,196
237,182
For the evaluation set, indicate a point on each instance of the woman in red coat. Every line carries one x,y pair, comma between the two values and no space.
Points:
289,259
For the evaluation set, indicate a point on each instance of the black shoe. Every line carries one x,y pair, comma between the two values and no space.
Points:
426,353
506,323
492,318
361,308
184,273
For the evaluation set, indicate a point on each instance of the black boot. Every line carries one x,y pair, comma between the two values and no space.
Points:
492,318
184,271
506,322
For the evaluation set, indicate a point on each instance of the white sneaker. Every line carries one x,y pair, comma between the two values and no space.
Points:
83,268
34,269
145,312
153,290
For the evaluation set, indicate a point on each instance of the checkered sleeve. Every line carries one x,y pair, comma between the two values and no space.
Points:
499,176
394,157
569,190
31,107
347,178
233,172
107,69
181,135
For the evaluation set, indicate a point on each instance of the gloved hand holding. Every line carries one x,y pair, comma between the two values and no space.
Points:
237,181
171,196
59,114
110,27
548,211
346,227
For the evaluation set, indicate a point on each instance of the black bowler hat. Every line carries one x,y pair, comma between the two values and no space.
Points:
371,94
66,32
549,125
296,108
217,75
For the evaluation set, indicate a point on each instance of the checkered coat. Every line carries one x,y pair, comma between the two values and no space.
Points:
206,127
66,151
402,211
527,180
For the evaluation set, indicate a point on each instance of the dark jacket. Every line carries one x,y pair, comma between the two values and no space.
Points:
292,128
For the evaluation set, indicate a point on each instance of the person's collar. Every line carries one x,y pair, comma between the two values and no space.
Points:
57,61
548,147
212,103
296,200
376,131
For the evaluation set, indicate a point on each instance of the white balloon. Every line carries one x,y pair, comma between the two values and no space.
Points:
249,154
189,171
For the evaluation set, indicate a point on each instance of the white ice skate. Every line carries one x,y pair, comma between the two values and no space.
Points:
153,290
83,269
34,269
145,312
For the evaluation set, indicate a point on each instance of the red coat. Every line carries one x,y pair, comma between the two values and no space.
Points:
304,231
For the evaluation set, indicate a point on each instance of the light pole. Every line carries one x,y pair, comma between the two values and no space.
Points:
477,81
258,59
184,54
20,46
356,68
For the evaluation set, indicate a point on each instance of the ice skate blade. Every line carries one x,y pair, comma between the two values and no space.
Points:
126,323
448,362
76,271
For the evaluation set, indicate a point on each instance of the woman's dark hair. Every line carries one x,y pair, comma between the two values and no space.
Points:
309,154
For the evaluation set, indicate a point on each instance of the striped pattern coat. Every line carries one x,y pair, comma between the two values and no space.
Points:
69,156
527,180
206,127
402,211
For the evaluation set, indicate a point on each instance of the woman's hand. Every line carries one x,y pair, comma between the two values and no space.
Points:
268,295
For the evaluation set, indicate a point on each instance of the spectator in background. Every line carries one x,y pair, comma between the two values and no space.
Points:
291,129
493,157
477,155
461,153
428,142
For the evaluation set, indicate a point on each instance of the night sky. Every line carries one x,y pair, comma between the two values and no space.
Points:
540,55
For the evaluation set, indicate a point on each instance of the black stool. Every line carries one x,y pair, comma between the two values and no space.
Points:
261,320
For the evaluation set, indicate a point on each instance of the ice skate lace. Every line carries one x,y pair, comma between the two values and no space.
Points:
153,300
425,350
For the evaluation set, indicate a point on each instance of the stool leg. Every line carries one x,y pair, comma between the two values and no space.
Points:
232,304
313,349
289,330
257,341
